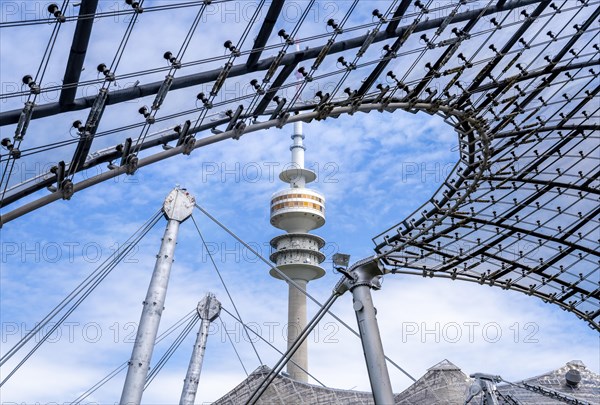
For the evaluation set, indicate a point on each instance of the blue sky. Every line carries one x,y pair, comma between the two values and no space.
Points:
374,169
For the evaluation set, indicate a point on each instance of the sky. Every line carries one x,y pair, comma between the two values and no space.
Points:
374,170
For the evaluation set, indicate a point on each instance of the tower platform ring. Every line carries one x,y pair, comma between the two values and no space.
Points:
293,173
320,241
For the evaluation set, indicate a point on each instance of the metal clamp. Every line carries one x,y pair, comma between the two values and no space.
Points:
367,272
188,145
131,164
238,130
67,189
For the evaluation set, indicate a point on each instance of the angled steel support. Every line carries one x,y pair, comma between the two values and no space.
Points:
362,277
265,32
81,39
398,14
177,208
402,38
443,59
279,80
86,137
505,49
209,309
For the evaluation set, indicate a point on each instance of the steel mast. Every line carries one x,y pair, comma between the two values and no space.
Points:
177,208
366,275
209,309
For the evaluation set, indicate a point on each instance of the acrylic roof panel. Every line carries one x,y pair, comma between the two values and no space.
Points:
516,79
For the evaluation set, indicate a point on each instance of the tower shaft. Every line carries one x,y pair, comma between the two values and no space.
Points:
296,323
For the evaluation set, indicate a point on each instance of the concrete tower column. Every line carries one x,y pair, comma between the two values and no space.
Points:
297,322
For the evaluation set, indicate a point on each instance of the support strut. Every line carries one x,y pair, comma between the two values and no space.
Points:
209,309
364,276
177,208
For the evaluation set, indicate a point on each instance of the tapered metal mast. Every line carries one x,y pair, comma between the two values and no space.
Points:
361,278
177,208
209,309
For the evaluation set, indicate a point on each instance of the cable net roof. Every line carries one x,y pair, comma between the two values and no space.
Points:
516,79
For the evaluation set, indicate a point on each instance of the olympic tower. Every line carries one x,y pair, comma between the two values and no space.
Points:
297,210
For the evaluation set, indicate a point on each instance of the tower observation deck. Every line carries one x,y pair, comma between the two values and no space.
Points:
297,210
